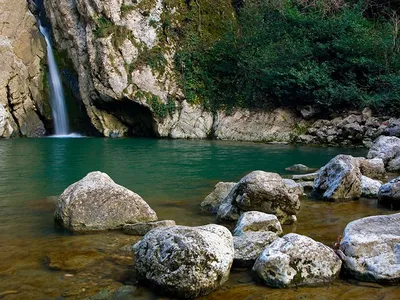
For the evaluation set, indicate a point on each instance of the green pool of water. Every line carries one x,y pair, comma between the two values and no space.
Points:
173,176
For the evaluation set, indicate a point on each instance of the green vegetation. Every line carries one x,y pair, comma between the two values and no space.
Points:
159,108
333,54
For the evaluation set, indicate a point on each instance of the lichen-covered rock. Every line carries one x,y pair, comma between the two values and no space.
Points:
212,202
257,221
260,191
22,101
370,248
340,179
296,260
388,149
143,228
293,186
249,245
370,187
96,202
185,262
389,193
372,168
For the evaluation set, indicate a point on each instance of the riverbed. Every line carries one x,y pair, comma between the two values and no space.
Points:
39,260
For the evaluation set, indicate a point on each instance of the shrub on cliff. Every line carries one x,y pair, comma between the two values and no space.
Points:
332,54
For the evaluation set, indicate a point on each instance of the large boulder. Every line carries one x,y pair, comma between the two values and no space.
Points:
370,187
370,248
340,179
212,202
388,149
184,262
260,191
372,168
249,245
257,221
389,193
96,202
296,260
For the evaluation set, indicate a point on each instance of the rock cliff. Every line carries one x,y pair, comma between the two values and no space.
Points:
23,106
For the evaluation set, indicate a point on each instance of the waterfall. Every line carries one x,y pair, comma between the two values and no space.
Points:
57,95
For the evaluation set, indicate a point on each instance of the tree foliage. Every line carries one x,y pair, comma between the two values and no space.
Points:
330,53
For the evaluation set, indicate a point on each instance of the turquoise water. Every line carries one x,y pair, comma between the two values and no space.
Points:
173,176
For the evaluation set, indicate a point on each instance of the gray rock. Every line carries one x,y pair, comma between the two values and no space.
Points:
306,185
296,260
299,168
366,113
370,248
259,191
305,177
372,168
212,202
143,228
389,193
293,186
369,187
96,202
307,112
394,165
340,179
249,245
388,149
185,262
257,221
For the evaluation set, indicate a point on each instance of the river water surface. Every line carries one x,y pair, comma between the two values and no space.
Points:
38,260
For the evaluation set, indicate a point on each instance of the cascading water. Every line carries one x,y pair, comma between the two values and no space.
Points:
60,115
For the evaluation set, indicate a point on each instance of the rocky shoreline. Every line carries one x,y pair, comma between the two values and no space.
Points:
189,262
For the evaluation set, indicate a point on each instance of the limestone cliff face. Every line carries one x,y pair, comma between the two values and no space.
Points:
123,51
22,105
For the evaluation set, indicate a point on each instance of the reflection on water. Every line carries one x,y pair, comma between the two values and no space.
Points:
173,177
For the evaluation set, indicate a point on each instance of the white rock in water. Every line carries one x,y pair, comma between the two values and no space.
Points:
185,262
96,202
370,187
257,221
370,248
297,260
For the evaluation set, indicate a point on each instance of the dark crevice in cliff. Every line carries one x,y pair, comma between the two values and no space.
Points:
11,106
138,118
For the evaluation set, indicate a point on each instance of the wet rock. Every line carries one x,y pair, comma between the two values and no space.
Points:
369,187
249,245
388,149
305,177
389,193
143,228
370,248
293,186
185,262
296,260
72,261
340,179
306,185
299,168
372,168
212,202
259,191
257,221
96,202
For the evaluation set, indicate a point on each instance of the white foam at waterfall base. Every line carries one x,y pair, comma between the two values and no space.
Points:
61,126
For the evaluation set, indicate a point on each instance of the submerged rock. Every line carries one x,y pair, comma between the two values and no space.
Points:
72,261
340,179
143,228
299,168
389,193
96,202
296,260
369,187
260,191
185,262
212,202
257,221
388,149
249,245
370,248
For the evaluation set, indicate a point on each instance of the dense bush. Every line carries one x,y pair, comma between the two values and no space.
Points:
331,53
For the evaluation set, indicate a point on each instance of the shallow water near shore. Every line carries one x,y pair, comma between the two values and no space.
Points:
38,260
